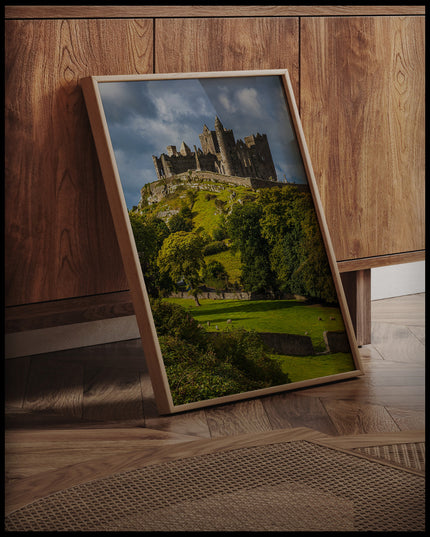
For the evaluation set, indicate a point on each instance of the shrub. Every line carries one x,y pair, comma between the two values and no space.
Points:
172,319
195,375
220,232
215,247
215,270
202,365
178,222
246,351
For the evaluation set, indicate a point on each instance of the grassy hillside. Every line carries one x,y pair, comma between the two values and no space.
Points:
277,244
213,201
210,206
231,262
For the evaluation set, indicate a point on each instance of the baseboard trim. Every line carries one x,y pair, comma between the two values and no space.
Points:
71,336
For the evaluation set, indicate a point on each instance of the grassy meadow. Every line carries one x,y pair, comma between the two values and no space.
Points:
313,367
281,316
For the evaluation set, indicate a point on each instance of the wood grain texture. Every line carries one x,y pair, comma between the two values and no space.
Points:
373,439
29,453
362,108
407,419
62,12
54,389
67,311
397,343
60,240
364,393
223,44
16,373
357,287
240,418
148,452
192,423
54,241
111,393
126,240
381,261
419,332
352,418
289,409
106,306
411,314
390,397
36,486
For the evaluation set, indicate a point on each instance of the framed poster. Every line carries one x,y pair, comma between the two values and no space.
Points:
224,242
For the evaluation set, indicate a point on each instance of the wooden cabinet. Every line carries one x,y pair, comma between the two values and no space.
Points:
60,240
362,108
225,44
358,80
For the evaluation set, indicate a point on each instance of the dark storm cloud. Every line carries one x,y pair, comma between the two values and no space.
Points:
146,116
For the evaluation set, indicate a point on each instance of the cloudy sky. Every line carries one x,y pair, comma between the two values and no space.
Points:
146,116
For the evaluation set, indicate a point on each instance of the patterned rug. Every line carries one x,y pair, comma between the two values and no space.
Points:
286,486
407,455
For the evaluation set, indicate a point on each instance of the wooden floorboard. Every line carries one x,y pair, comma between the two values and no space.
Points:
397,343
85,406
350,417
16,375
51,387
32,452
38,485
375,439
240,418
111,393
407,419
288,410
23,491
403,310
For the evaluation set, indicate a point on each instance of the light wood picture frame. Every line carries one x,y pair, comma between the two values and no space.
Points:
222,233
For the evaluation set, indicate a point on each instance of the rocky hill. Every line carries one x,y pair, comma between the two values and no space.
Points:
214,195
200,180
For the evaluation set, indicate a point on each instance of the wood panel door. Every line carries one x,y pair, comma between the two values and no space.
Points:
60,240
362,108
227,44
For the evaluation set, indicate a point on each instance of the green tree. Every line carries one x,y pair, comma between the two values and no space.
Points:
220,232
244,229
181,257
173,320
178,222
149,234
297,254
186,212
314,268
181,221
215,274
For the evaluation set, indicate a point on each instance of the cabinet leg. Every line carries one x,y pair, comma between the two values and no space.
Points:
357,291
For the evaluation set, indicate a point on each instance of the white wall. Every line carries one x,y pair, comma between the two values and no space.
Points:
398,280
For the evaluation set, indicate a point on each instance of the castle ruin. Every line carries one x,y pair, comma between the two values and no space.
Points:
220,153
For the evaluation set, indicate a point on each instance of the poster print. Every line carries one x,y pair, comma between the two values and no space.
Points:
224,242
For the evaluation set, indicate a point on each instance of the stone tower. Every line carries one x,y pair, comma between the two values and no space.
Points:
224,147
